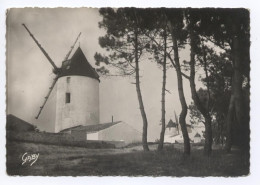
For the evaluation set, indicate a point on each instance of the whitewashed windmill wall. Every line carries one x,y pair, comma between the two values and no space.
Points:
80,82
77,100
73,98
83,108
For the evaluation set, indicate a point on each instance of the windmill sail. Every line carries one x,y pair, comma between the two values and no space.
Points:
44,52
57,71
177,122
57,76
46,97
67,56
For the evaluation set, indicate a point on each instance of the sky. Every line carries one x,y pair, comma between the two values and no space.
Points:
29,74
30,105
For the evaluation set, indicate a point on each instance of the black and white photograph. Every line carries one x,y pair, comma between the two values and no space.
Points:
128,91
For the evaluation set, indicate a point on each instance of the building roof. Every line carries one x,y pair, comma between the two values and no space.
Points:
174,135
91,128
16,124
171,124
78,65
197,135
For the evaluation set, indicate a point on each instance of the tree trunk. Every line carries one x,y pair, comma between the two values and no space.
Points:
160,146
183,114
207,76
208,130
238,78
197,102
235,105
229,120
139,95
208,136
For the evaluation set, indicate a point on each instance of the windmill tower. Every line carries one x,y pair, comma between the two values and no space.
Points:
76,85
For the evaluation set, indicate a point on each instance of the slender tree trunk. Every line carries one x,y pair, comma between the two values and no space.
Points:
208,136
139,95
183,114
197,102
208,131
160,146
207,77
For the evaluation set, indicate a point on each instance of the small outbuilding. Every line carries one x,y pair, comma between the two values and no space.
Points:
173,133
118,133
197,138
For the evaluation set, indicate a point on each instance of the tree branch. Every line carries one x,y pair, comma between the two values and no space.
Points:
168,55
215,43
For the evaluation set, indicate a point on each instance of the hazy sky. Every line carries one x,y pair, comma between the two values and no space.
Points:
29,74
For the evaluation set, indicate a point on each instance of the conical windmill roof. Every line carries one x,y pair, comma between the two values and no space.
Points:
78,65
171,124
197,135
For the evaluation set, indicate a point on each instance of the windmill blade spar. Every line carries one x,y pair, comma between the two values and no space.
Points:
67,56
44,52
177,122
48,95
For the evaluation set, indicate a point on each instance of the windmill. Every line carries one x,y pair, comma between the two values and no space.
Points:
177,122
74,69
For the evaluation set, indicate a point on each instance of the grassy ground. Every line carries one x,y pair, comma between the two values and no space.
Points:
75,161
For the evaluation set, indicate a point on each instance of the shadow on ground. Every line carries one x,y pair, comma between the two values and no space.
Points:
75,161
